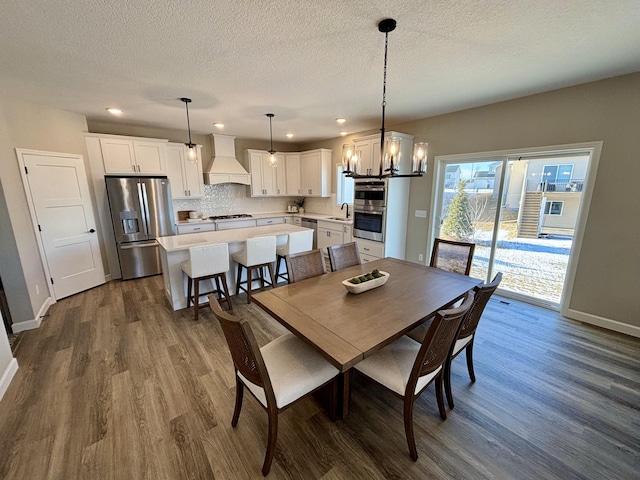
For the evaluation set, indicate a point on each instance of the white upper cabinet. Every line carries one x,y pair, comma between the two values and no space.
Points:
292,171
263,175
185,177
315,173
126,156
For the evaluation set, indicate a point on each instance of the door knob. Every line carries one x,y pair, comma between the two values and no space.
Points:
92,231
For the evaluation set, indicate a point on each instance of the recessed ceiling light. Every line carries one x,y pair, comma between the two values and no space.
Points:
343,133
289,135
114,111
218,125
341,120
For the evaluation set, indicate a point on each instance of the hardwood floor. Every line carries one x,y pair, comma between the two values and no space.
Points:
115,385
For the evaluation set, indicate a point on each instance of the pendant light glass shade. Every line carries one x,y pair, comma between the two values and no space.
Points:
273,160
192,154
348,150
420,151
391,155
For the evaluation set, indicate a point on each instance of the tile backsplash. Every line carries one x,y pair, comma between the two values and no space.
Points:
228,198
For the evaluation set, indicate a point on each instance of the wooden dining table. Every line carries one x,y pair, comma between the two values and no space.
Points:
345,327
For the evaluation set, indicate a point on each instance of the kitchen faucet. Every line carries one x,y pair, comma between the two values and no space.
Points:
342,208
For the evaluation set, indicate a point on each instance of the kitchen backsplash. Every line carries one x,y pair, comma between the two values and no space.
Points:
228,198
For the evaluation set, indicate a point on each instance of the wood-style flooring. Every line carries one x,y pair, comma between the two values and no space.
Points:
115,385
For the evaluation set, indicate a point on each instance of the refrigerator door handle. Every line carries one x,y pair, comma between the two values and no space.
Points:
142,195
129,246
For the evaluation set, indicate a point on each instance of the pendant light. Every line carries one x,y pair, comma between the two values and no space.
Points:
273,160
192,155
390,151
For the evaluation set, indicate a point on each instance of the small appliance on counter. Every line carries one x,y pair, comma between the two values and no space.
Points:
141,211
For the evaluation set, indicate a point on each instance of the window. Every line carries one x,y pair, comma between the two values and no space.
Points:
557,173
553,208
344,190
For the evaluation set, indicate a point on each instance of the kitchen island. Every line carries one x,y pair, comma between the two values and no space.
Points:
174,251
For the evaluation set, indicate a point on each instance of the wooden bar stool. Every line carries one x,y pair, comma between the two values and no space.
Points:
207,262
297,242
258,253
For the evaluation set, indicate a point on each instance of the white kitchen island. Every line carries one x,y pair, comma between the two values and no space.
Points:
174,251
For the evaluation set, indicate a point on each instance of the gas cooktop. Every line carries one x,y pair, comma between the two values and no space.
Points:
227,217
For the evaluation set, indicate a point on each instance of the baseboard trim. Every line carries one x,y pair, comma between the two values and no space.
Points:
35,323
7,376
603,322
107,278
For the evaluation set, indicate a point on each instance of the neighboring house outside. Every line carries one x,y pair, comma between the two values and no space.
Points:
452,176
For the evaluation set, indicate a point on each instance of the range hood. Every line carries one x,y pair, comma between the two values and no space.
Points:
224,166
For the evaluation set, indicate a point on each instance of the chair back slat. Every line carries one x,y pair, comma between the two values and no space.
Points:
242,344
343,256
482,295
305,265
452,256
439,339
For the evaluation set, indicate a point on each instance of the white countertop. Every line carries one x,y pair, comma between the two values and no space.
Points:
316,216
183,242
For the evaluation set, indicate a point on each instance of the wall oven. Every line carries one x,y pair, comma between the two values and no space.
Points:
369,210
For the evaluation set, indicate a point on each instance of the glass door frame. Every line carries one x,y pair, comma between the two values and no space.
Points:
592,149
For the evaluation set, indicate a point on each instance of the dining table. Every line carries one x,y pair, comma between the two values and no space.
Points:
345,327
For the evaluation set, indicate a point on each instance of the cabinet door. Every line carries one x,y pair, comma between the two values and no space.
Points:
327,237
193,179
365,156
269,176
149,157
292,163
281,176
347,236
255,168
175,171
118,156
310,174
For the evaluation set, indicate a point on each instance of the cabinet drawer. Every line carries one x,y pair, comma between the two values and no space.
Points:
330,226
204,227
297,221
375,249
364,258
269,221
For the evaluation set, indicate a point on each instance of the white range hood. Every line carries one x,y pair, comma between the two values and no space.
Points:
224,167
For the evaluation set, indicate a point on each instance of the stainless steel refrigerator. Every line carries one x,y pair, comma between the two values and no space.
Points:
141,211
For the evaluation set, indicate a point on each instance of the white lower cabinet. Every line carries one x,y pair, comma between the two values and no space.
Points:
296,221
332,233
270,221
231,224
370,250
196,228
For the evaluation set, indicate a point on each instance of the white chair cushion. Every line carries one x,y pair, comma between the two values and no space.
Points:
205,260
461,343
295,369
257,251
297,242
392,365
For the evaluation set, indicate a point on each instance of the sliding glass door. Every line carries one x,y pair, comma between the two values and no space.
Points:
521,213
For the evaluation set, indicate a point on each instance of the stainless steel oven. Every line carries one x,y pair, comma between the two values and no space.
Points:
369,210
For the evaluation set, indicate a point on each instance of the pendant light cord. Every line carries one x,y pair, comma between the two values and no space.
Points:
186,104
384,98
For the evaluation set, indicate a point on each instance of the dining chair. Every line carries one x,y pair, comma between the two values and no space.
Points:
343,256
296,242
259,253
407,367
452,256
305,265
277,375
207,262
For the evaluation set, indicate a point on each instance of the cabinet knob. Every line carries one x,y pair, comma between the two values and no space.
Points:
92,231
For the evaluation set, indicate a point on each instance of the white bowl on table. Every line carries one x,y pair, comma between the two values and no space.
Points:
356,288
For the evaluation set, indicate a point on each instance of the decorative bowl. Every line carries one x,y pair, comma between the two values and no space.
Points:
356,288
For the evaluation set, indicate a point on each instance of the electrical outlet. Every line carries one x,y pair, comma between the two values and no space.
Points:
37,289
421,257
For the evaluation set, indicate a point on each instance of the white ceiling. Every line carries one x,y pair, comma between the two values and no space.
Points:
308,62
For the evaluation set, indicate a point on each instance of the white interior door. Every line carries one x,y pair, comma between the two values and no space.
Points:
60,203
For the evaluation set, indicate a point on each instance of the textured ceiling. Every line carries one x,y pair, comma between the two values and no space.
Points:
307,62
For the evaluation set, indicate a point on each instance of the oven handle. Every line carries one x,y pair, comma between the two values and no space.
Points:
374,212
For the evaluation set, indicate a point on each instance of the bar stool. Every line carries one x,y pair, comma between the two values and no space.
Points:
207,262
297,242
259,252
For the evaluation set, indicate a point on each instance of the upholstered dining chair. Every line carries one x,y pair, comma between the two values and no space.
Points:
452,256
407,367
296,242
277,375
305,265
343,256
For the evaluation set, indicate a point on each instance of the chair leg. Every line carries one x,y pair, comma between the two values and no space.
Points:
273,278
238,407
278,260
225,289
238,279
447,382
271,441
408,427
189,284
469,355
196,297
443,412
249,283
